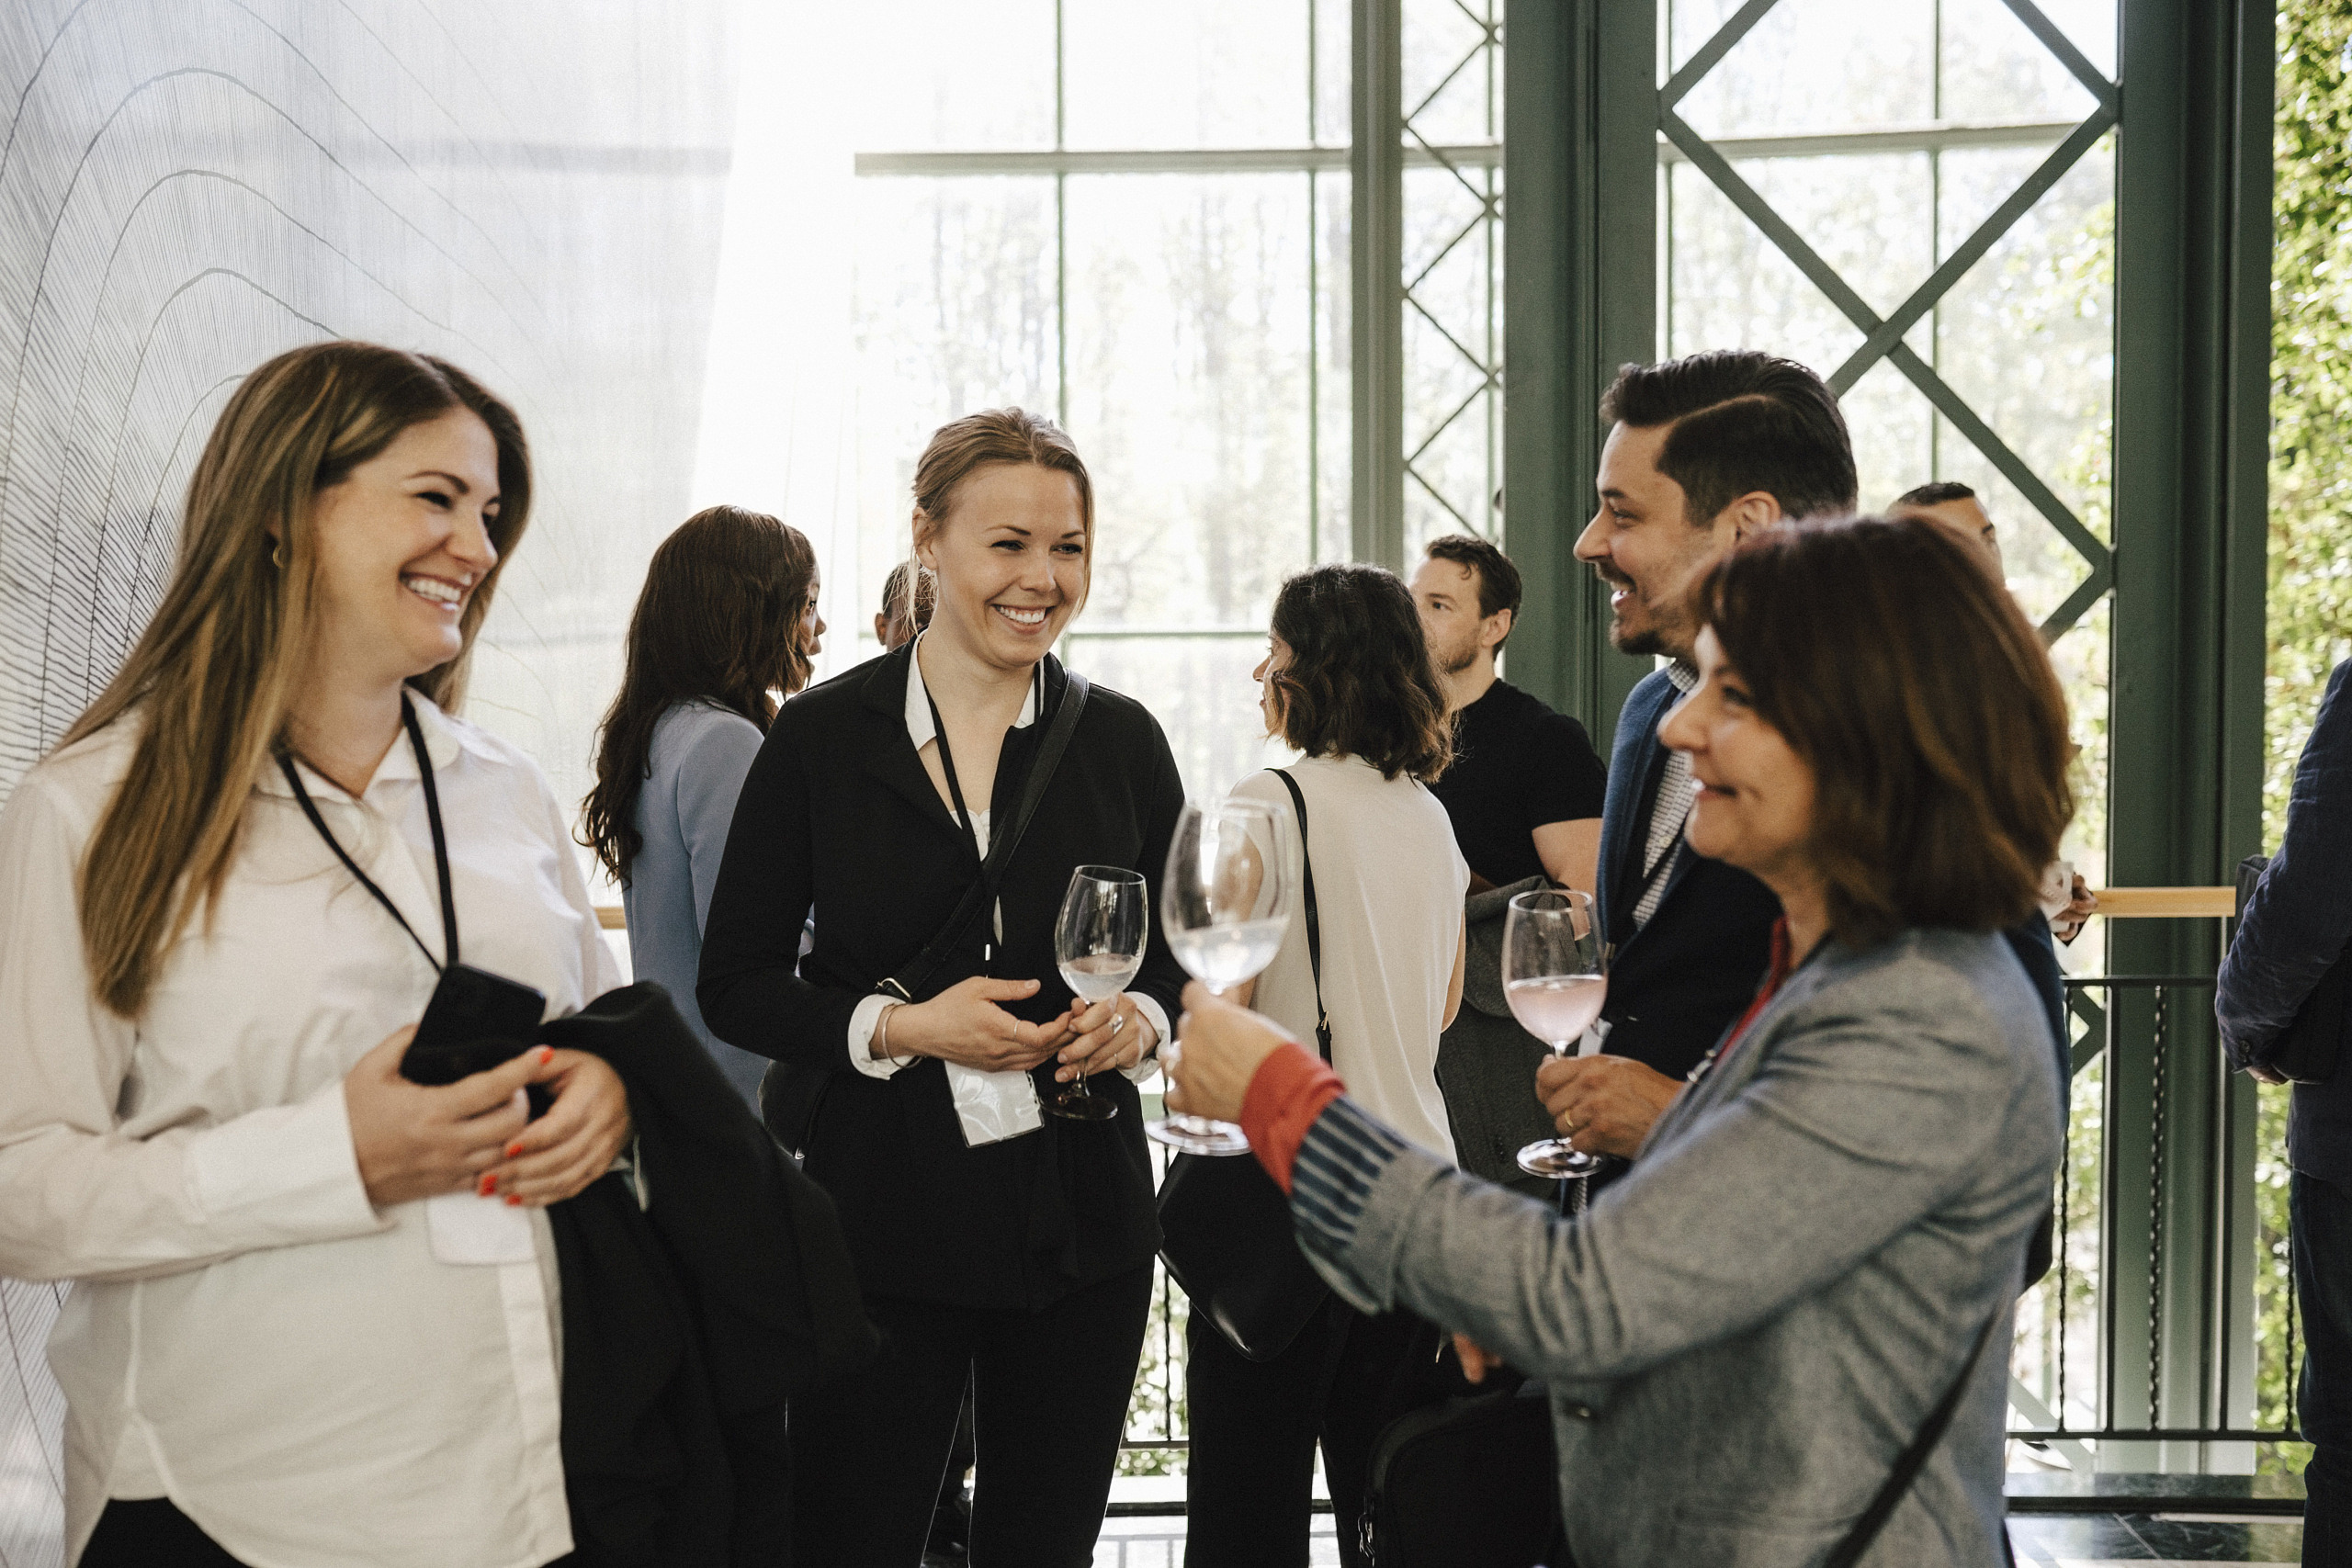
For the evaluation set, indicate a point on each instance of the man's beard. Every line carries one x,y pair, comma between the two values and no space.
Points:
1455,660
1651,639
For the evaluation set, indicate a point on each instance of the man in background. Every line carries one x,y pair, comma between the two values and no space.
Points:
2066,897
906,606
1524,790
1952,505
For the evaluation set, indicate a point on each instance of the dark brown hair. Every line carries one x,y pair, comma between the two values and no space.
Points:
717,621
1741,421
215,671
1360,682
1924,702
1935,493
1498,584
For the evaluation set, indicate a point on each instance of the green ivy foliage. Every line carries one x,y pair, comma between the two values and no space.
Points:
2310,539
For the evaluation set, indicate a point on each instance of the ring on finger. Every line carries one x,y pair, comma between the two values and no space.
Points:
1118,1021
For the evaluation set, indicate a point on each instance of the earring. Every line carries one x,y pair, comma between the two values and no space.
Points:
277,554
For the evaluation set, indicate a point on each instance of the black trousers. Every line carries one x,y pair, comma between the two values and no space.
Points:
1050,1395
1250,1474
150,1533
153,1533
2322,1216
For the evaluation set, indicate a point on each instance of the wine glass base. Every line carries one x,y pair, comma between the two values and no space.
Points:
1554,1158
1077,1105
1199,1136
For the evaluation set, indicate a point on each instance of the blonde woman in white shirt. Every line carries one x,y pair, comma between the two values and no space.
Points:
314,1321
1347,681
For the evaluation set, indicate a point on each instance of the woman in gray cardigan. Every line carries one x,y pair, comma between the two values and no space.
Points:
1742,1335
725,622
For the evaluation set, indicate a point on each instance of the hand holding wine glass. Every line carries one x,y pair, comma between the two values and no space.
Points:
1226,906
1098,943
1556,978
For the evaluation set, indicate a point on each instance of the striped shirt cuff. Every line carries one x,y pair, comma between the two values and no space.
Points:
1345,1154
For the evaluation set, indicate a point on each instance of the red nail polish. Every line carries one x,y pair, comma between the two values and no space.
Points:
546,1054
513,1202
488,1185
515,1150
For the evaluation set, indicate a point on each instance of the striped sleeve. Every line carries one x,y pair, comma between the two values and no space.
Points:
1343,1156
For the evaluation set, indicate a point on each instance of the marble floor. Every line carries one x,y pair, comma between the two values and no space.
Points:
2076,1540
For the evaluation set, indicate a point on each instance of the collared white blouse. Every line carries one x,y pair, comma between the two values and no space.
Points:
303,1374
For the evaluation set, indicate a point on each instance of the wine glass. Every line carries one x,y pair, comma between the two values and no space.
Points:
1098,942
1556,977
1225,906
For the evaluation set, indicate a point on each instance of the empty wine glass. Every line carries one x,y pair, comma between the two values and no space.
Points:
1098,942
1556,977
1225,906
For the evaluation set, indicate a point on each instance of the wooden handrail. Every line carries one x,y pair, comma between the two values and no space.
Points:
2115,902
2167,903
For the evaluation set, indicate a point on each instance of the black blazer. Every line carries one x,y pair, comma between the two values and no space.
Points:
1680,981
837,814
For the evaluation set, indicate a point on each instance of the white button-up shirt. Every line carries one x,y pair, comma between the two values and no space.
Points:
302,1373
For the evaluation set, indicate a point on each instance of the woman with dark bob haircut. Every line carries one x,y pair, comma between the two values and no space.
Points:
1818,1253
1347,681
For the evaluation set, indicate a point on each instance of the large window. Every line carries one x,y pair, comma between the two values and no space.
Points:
1138,219
1931,226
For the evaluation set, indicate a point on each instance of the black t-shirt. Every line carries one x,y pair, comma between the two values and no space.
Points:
1517,766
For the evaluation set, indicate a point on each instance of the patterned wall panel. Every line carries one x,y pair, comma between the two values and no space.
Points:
530,187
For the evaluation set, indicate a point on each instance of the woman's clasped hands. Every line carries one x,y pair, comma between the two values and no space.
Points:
415,1141
966,1024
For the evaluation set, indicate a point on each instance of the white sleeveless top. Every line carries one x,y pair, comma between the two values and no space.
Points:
1388,884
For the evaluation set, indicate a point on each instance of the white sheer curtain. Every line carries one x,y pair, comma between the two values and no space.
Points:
779,408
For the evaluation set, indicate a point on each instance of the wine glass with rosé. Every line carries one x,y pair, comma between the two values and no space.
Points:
1556,977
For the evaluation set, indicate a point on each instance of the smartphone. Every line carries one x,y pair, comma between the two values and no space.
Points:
475,1021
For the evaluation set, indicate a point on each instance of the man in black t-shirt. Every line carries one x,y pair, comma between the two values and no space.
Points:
1525,787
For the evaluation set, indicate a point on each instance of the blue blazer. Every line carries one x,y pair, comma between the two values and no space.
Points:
1677,983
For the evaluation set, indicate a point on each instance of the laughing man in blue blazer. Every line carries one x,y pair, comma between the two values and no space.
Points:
1702,452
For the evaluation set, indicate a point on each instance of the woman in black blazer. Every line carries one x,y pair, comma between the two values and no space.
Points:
993,1241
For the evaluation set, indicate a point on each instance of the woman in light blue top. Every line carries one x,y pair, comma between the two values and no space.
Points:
725,623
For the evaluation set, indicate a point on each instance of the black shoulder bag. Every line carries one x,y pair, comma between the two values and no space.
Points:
1225,1226
790,1094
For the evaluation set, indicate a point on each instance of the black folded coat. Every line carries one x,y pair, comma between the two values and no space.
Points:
689,1322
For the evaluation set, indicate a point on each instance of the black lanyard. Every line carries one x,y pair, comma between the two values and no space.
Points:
947,758
440,842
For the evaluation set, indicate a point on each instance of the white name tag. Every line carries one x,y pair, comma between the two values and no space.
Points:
470,1230
993,1106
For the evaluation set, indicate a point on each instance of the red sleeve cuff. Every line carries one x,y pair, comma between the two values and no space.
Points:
1286,1093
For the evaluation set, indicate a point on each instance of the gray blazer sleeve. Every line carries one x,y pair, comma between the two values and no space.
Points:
1855,1126
717,753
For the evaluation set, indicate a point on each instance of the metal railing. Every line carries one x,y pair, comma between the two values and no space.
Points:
2092,1336
2121,1324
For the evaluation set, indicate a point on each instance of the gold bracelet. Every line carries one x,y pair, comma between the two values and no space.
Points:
882,1032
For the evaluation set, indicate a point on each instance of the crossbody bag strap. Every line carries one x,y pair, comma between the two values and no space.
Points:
1906,1469
915,975
432,816
1314,917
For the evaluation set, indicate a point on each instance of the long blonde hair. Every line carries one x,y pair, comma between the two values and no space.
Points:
216,667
